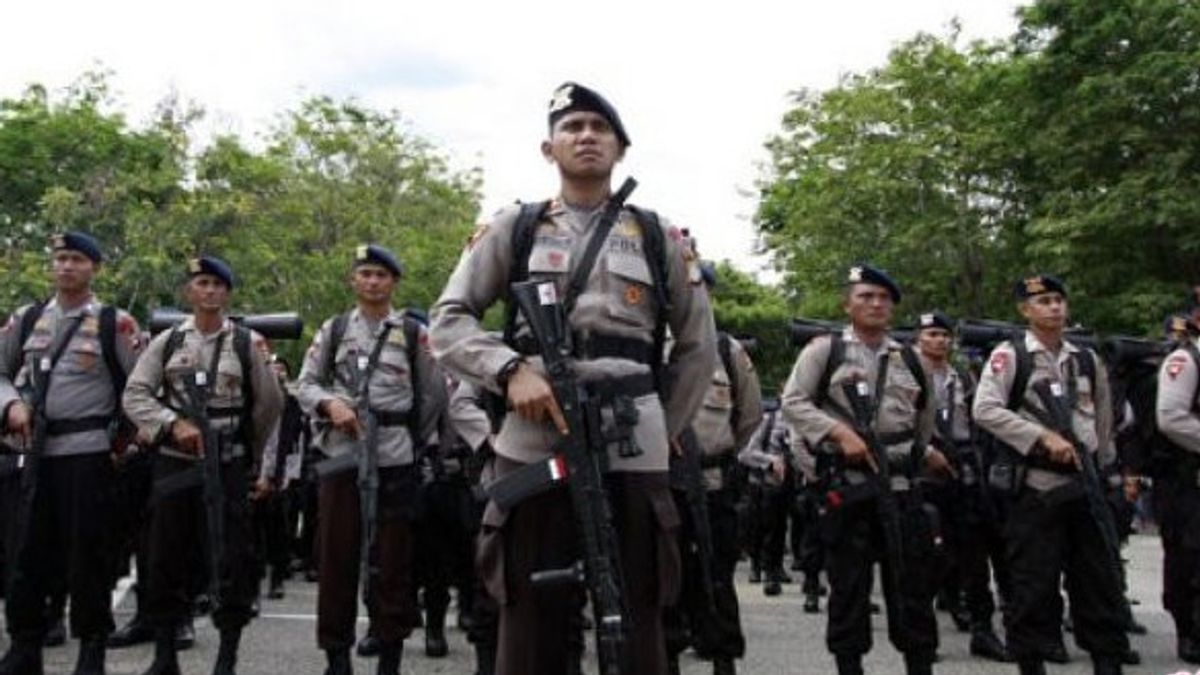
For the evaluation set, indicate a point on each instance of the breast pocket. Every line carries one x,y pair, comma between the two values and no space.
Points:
83,358
720,393
901,396
550,257
229,378
630,290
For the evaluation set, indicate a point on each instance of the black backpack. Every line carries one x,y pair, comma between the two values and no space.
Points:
837,355
1143,447
654,246
725,349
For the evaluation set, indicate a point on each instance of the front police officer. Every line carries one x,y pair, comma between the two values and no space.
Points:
1050,530
228,366
617,325
72,354
817,404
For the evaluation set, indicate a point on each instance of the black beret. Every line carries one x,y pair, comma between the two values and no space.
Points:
374,254
78,241
866,274
570,97
207,264
1039,284
936,319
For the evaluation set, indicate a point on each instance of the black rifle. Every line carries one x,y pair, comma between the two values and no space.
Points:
1058,408
196,410
582,456
688,475
863,409
366,461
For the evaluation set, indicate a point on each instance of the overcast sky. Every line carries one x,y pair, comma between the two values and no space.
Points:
699,89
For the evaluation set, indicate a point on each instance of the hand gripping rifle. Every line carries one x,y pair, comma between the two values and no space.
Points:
582,456
863,409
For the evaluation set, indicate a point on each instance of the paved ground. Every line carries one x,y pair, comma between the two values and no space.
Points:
782,639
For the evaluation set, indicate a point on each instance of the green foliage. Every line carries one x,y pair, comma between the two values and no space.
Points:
746,308
1073,147
330,176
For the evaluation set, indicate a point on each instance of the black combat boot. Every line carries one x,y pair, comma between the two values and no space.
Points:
24,657
185,635
1106,665
1058,653
672,664
723,666
338,662
227,653
986,644
389,658
91,657
135,632
918,664
849,664
1031,668
368,647
56,634
165,661
435,632
772,587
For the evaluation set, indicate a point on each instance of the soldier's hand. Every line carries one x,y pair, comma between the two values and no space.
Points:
262,489
1058,449
187,437
531,396
854,448
937,461
343,418
779,468
19,420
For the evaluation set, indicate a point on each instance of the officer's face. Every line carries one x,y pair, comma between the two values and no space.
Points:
206,293
869,306
583,145
373,283
73,271
934,343
1047,311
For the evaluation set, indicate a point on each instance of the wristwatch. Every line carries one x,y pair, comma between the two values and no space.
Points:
507,370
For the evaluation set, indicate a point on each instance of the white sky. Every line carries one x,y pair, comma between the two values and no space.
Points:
699,89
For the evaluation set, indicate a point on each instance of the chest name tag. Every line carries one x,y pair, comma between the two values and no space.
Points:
44,364
362,362
1056,389
201,378
862,388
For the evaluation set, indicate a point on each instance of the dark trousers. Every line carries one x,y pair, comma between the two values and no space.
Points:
855,542
1050,535
807,544
982,554
445,555
715,630
177,564
536,624
1177,504
271,529
63,542
776,507
946,499
392,602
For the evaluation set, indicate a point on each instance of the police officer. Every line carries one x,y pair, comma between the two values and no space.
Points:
969,521
1050,530
64,361
817,404
730,413
1178,493
228,366
378,345
640,270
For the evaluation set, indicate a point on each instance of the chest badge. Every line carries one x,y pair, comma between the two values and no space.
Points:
634,295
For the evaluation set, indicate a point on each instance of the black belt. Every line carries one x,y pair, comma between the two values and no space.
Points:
632,386
75,426
896,437
386,418
714,461
597,347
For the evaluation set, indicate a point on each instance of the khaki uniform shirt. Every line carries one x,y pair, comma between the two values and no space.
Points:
391,386
155,396
1177,412
1091,419
714,423
897,410
80,384
618,300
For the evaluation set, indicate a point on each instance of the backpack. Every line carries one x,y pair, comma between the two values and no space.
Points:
1143,447
108,340
412,333
653,246
725,349
837,355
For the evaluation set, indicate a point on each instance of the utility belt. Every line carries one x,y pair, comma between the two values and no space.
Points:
617,394
595,346
1007,473
387,418
78,425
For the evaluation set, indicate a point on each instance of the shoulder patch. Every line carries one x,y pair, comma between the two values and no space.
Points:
999,362
8,324
1175,365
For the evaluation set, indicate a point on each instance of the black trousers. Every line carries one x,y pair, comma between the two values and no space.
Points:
982,554
855,542
179,553
445,553
714,630
1177,505
61,539
1049,535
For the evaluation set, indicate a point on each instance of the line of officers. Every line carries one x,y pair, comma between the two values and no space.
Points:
65,375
